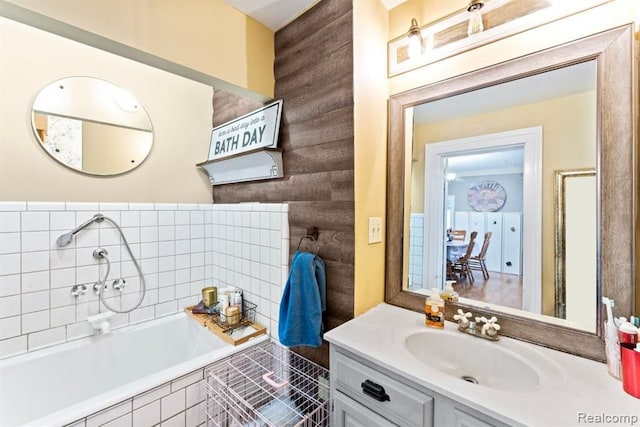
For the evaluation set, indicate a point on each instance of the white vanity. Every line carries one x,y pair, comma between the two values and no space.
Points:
388,368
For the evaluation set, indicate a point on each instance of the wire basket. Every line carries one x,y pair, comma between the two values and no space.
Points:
267,385
247,317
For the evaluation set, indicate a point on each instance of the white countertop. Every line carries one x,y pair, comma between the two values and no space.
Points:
583,386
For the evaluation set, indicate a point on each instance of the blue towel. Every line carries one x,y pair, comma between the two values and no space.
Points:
303,301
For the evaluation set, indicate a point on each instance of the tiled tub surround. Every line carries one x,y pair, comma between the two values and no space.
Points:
142,375
181,248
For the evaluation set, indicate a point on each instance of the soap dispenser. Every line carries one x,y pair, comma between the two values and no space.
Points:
434,310
449,294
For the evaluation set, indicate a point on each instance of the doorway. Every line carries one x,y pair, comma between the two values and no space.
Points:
446,163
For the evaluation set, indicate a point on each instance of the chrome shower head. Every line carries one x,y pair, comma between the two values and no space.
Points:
66,238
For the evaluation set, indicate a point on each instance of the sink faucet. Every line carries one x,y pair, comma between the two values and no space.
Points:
488,330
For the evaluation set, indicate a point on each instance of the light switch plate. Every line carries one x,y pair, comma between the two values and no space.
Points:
375,229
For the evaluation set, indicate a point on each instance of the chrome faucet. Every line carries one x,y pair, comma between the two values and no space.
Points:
482,327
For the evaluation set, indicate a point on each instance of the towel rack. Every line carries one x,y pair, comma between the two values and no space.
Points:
312,234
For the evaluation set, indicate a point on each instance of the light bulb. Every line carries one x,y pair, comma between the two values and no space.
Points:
475,18
415,40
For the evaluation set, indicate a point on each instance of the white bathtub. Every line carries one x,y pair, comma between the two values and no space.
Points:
61,384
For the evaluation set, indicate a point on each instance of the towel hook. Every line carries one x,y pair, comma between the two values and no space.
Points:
312,234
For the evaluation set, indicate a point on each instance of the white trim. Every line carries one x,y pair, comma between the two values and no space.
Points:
531,141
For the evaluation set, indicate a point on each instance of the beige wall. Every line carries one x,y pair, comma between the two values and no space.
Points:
370,152
180,111
206,35
565,146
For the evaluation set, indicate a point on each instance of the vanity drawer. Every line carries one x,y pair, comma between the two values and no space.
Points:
393,400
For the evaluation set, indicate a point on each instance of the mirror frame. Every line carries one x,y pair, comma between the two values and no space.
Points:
616,181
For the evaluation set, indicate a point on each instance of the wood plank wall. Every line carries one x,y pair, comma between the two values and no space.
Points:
314,78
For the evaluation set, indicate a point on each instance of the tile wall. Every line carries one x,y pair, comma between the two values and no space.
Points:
416,235
181,248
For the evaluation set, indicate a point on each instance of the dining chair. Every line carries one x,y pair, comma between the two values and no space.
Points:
477,262
458,234
461,266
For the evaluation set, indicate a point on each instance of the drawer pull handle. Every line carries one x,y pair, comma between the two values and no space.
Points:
374,390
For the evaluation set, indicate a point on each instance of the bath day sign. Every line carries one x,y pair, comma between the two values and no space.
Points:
258,129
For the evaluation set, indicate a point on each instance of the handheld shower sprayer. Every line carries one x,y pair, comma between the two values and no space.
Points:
66,238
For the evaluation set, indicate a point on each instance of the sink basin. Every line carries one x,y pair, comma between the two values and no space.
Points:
507,366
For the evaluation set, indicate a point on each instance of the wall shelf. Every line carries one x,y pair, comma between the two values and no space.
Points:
258,164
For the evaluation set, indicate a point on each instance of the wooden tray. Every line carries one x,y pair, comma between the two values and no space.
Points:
237,336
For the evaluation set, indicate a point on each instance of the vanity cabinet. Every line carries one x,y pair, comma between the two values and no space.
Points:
365,394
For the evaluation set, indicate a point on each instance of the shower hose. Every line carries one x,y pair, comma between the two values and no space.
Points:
102,283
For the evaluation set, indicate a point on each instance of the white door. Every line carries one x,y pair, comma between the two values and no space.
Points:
461,221
494,252
476,223
511,240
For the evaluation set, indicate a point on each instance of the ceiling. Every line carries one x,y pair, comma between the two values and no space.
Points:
275,14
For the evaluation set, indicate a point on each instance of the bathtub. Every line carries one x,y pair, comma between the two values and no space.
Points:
64,383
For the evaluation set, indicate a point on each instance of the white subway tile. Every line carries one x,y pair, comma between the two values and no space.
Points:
183,261
166,248
197,273
130,219
197,217
142,314
150,299
10,327
151,396
32,322
113,207
62,316
197,245
35,221
183,232
183,275
80,423
167,294
182,218
141,206
196,415
45,206
10,243
82,206
167,308
109,414
35,261
9,285
187,380
125,420
13,346
109,236
62,221
196,393
276,275
149,265
149,250
35,241
46,338
13,206
173,404
87,274
166,233
90,237
64,277
182,247
149,218
9,264
178,420
187,206
35,301
148,234
148,415
10,306
182,290
86,309
9,222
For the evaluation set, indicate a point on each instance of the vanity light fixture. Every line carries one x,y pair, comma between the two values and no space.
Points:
475,17
414,35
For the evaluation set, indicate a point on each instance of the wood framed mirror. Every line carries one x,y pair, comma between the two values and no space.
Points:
612,52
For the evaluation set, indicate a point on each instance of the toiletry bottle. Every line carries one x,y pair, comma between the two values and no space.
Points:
434,310
448,294
627,333
224,304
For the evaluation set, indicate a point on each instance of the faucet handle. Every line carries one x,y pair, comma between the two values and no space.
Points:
462,318
490,327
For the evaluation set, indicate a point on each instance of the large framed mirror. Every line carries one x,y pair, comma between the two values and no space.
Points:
475,153
92,126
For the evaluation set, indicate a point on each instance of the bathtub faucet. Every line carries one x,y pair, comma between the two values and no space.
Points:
100,321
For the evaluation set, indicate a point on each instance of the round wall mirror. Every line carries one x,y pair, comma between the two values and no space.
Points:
92,126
